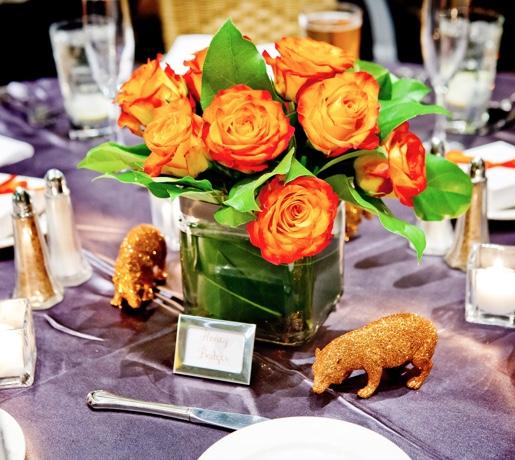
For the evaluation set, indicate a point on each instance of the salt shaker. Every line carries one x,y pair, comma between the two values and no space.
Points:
472,227
66,258
34,279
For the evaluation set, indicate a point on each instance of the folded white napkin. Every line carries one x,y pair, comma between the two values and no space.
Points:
13,151
501,181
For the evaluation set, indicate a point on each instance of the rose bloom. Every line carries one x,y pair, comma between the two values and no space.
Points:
175,141
403,172
296,219
244,128
373,174
303,59
340,113
407,163
149,87
193,76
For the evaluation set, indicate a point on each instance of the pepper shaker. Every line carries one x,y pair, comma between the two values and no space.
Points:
34,279
66,258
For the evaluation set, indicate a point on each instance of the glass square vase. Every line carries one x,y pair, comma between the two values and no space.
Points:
225,277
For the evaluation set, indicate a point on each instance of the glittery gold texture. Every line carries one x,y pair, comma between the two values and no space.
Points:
353,217
140,263
388,342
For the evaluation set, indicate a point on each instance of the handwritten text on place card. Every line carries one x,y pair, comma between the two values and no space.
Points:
212,349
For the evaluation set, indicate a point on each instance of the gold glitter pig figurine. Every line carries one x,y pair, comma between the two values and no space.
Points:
390,341
140,263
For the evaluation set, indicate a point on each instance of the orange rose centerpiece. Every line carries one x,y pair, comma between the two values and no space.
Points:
193,76
245,129
261,163
175,142
296,219
402,171
304,59
149,87
341,113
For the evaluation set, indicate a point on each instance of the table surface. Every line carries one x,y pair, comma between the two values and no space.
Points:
465,410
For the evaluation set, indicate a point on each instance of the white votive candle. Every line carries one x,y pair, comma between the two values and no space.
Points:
495,290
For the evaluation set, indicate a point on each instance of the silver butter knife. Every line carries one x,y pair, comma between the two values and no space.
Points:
101,399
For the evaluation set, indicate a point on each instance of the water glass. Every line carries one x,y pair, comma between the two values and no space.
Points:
443,36
87,108
17,344
471,87
339,25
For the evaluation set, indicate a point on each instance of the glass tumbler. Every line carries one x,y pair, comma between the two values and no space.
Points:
87,107
17,344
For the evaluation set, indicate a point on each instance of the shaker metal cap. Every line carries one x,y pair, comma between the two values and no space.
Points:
55,182
477,170
22,204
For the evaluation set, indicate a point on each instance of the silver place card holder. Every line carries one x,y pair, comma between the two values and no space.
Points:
214,349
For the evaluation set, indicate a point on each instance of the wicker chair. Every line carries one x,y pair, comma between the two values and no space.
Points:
264,21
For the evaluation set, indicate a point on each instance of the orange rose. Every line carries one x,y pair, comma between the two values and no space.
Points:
193,76
340,113
373,174
174,138
303,59
244,128
407,163
149,87
403,172
296,219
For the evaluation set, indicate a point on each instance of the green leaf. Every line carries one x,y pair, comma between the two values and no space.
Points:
395,112
448,192
201,184
408,88
242,196
110,157
380,73
345,157
232,60
129,177
345,189
297,169
232,218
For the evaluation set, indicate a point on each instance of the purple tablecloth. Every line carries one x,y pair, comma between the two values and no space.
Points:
464,411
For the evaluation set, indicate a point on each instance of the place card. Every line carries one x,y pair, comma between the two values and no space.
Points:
214,349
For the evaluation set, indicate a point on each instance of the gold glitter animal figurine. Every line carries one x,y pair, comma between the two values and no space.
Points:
390,341
140,263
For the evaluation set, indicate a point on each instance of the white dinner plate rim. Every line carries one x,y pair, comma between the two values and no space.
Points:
276,429
17,439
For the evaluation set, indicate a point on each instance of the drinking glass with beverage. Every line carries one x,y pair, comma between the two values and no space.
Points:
444,36
86,106
471,87
338,24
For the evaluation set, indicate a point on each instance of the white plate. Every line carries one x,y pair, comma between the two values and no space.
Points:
12,440
304,438
502,214
37,190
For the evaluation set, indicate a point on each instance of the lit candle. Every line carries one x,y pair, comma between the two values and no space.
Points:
12,363
495,290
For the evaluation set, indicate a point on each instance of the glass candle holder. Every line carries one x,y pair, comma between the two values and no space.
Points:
490,295
17,344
